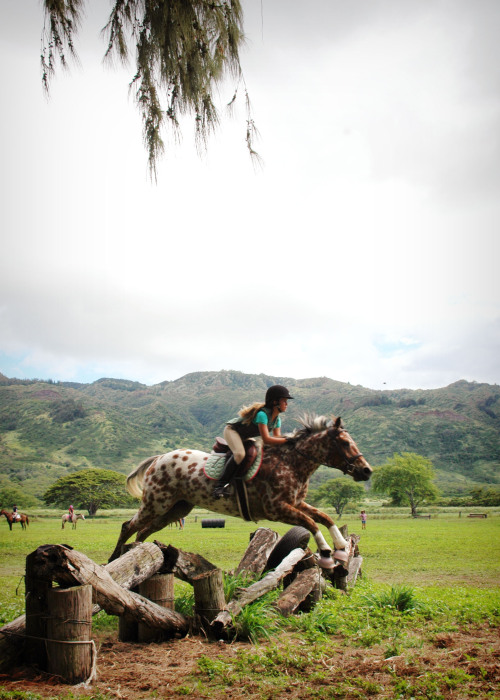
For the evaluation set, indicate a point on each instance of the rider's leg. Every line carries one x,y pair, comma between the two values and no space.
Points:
236,446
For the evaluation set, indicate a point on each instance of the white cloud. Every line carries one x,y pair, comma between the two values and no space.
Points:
373,222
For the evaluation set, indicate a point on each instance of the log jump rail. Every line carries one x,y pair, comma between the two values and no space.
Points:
477,515
138,587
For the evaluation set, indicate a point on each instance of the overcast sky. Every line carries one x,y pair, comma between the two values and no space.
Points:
366,249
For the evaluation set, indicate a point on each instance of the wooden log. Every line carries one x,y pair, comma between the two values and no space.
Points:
128,630
305,583
307,562
342,572
256,590
354,570
136,564
209,599
12,643
184,565
339,574
68,567
255,558
36,590
160,590
69,627
142,560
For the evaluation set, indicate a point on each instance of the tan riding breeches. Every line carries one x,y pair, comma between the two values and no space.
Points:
235,444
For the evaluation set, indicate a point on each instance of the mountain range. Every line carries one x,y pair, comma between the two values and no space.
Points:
50,428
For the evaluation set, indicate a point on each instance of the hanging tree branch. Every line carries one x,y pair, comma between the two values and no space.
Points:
183,50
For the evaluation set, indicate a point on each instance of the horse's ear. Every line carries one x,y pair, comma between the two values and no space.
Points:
338,423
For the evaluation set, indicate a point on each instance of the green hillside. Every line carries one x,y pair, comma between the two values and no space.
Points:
48,429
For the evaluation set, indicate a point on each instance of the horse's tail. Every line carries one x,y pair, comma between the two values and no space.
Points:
27,520
135,479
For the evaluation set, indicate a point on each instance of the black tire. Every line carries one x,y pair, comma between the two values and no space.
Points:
213,522
298,536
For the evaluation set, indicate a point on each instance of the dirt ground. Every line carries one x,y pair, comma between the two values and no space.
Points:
469,659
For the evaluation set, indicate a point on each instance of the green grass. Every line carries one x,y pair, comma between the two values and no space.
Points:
453,553
421,579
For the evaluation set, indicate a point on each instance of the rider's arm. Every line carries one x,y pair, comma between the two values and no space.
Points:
275,439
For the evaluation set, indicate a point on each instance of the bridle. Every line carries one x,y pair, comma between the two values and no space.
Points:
347,466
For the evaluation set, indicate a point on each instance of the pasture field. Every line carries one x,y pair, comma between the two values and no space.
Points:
421,623
438,553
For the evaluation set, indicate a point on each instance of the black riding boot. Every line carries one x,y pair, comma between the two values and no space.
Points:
228,473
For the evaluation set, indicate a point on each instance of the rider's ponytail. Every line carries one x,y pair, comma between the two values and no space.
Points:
248,413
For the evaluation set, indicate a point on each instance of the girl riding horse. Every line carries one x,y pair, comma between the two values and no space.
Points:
258,420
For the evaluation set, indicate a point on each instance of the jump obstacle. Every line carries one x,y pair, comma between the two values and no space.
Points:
56,631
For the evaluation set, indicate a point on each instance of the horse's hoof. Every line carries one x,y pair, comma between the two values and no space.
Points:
326,562
341,555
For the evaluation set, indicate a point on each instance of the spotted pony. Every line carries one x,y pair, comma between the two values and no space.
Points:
172,484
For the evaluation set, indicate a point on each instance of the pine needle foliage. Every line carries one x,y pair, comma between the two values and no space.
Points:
183,50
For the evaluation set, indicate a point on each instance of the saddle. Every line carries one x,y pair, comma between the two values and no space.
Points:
222,448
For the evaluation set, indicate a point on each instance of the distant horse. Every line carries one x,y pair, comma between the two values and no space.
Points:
67,518
173,483
178,523
11,519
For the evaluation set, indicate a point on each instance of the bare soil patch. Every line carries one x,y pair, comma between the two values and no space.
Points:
459,665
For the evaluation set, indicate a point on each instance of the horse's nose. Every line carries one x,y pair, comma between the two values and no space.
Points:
367,471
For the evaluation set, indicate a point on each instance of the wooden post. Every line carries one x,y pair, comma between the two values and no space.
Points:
36,588
209,599
354,570
255,558
128,630
340,572
69,567
184,565
69,628
159,589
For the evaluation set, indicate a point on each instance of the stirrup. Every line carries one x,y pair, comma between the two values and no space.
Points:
220,491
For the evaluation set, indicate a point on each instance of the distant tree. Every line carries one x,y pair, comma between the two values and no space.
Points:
183,50
485,496
338,493
90,489
14,495
408,479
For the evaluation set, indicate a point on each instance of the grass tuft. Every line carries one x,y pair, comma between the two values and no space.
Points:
401,598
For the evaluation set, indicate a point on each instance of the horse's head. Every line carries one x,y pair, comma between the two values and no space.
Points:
344,454
324,441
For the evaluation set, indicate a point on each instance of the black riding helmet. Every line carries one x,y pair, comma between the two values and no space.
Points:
275,393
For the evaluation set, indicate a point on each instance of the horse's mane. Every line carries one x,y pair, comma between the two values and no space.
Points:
311,423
